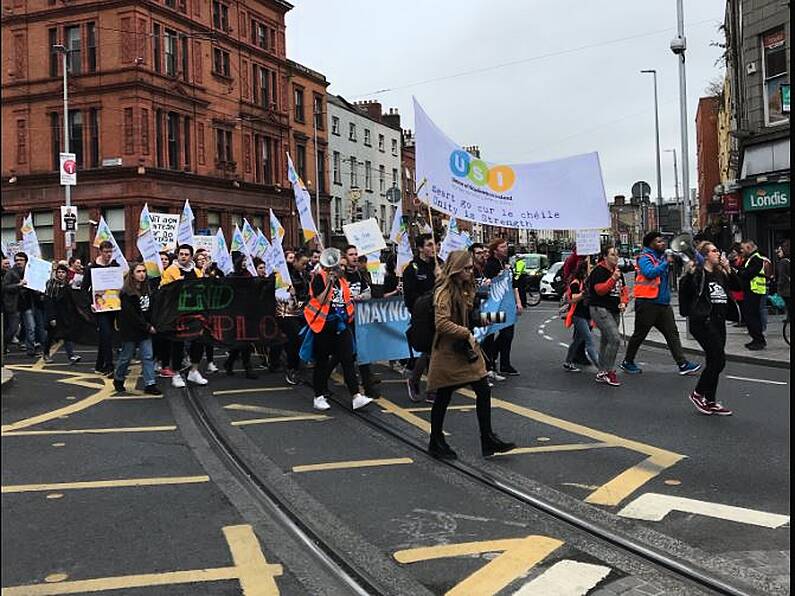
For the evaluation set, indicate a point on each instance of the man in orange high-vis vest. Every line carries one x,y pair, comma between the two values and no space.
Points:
653,305
329,316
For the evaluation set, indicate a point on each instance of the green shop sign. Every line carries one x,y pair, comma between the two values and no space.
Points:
766,196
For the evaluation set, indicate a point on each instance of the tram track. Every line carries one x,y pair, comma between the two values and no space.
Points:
337,561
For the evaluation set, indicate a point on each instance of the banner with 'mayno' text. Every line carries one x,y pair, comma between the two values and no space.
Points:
561,194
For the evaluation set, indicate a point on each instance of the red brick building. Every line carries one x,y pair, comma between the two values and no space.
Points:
168,100
708,167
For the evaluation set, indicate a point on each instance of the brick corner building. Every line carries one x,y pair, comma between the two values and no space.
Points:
167,101
707,155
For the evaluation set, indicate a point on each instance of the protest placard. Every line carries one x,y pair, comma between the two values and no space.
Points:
164,230
365,235
588,242
204,242
37,273
105,285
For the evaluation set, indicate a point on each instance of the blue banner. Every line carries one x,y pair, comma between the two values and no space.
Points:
381,325
501,298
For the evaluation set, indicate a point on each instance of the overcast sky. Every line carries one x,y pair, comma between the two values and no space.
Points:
558,100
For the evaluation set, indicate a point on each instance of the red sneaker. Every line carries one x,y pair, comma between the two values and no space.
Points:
718,409
700,403
611,378
166,373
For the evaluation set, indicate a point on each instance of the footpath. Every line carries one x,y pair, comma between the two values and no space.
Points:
777,353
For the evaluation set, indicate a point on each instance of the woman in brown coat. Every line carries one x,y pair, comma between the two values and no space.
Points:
456,359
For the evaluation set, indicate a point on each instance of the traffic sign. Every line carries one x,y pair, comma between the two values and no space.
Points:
641,189
68,169
393,195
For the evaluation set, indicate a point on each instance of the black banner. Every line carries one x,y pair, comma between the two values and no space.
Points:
231,311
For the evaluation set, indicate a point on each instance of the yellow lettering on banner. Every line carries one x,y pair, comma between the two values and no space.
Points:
518,556
251,569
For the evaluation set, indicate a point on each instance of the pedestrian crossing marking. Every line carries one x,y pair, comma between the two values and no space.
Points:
348,465
624,484
517,556
120,483
565,578
251,569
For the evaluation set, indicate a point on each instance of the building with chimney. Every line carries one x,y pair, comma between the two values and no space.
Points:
186,100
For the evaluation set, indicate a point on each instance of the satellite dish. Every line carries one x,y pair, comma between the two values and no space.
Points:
641,190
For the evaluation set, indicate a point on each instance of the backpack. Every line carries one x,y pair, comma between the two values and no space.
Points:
767,268
423,324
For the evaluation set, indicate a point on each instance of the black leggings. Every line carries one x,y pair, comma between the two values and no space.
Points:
245,357
195,353
327,344
290,326
711,336
482,406
162,349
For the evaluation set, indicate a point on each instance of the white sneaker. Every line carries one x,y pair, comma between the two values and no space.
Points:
158,368
495,377
177,381
211,368
194,376
359,401
320,403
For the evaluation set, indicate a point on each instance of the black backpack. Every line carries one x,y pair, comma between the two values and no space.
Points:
423,324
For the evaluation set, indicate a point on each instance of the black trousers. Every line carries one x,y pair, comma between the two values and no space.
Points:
195,353
105,322
162,350
482,407
499,346
290,326
751,305
327,344
365,370
243,353
711,336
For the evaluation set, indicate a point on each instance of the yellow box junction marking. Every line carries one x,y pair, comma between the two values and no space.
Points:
257,577
518,556
120,483
554,448
347,465
53,350
404,414
279,419
624,484
89,431
251,390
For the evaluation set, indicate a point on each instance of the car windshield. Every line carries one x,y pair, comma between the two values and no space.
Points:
532,261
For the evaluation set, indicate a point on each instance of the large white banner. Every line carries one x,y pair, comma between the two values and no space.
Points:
560,194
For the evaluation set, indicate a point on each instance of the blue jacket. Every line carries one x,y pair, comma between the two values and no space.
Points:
661,271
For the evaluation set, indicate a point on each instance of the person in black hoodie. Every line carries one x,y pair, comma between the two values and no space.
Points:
57,315
136,330
104,320
705,298
240,270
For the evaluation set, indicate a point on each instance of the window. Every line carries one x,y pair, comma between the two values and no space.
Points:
259,34
76,136
114,217
298,100
394,177
170,46
335,167
91,46
213,222
156,46
55,137
159,137
264,163
220,16
256,221
73,51
52,37
352,132
185,61
83,234
262,94
144,131
394,146
338,219
368,142
186,142
221,62
93,133
22,141
335,125
317,111
774,72
381,143
383,219
300,160
172,125
321,171
9,233
354,173
368,175
42,221
223,146
381,178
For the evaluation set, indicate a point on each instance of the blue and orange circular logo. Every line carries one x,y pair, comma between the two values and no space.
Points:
498,178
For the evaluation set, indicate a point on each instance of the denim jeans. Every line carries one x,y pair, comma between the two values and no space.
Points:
607,322
12,326
29,327
145,353
582,335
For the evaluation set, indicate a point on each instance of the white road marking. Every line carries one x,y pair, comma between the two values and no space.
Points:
561,344
547,337
764,381
565,578
541,332
654,507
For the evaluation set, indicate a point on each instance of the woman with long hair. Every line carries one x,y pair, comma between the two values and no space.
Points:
136,330
457,359
579,317
705,298
57,315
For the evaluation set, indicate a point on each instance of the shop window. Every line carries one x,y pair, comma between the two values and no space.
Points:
42,221
774,72
114,217
9,228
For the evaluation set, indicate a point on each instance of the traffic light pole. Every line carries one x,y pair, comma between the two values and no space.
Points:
68,235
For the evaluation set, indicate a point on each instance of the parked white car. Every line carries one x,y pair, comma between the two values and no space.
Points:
551,280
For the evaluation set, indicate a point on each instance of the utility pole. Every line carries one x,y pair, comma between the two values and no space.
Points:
315,116
676,189
657,143
61,49
678,47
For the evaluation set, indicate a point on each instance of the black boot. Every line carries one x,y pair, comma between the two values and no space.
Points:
491,444
229,368
439,449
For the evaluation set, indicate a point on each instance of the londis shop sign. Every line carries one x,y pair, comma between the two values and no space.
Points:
766,196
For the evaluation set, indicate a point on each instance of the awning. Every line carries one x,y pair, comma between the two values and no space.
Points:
765,158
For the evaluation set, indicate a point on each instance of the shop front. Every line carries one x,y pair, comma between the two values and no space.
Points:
766,208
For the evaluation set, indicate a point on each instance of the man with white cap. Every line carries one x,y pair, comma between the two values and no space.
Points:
329,316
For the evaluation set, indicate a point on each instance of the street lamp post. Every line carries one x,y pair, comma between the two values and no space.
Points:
61,49
315,116
676,187
657,141
678,47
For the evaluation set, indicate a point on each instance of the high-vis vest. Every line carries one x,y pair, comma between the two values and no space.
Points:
316,313
519,268
759,282
645,287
